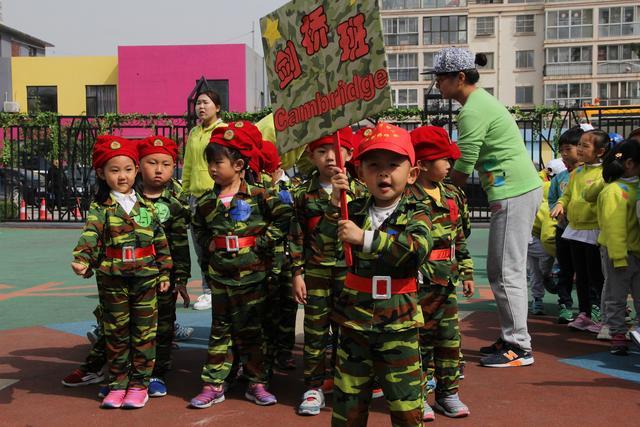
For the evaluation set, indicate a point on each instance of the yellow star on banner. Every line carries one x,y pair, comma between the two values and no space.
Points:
353,2
271,33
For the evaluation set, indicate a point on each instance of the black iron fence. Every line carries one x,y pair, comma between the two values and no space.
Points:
46,174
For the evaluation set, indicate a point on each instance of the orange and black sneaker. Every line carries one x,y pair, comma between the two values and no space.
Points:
493,348
509,356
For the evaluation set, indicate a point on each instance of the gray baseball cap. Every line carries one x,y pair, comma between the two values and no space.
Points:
452,60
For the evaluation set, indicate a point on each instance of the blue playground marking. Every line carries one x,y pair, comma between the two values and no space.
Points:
623,367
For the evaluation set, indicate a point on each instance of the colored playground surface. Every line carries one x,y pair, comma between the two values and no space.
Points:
45,312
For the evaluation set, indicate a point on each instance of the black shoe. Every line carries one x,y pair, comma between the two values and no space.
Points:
509,356
493,348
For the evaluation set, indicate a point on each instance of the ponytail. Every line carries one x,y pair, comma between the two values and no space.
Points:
613,164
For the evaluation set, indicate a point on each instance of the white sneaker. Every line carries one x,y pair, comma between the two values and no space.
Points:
635,336
604,333
181,333
203,302
312,402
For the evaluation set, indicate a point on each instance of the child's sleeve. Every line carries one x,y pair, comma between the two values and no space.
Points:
613,208
591,192
565,198
283,225
326,233
554,192
465,262
164,262
90,245
200,230
178,236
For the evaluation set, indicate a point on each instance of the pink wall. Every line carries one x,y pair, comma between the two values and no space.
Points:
158,79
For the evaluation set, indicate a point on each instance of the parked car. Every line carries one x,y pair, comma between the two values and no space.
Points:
15,185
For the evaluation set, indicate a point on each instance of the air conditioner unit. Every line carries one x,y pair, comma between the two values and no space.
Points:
11,107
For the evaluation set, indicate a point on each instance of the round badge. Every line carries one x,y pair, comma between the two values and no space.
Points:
228,135
143,219
239,124
241,211
285,197
163,212
368,132
158,143
115,145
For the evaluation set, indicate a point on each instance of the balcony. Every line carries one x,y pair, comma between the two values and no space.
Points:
620,101
421,4
568,69
619,29
619,67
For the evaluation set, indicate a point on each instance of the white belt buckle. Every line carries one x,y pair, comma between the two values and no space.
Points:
128,254
234,246
374,287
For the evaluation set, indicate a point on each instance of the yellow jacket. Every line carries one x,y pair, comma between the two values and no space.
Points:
619,227
544,227
580,212
195,172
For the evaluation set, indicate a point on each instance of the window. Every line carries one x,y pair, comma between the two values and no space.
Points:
400,4
42,98
444,30
427,64
485,25
567,94
619,93
403,67
421,4
101,100
524,59
221,87
433,4
489,90
525,24
400,31
570,24
524,94
563,61
405,98
618,58
489,65
619,21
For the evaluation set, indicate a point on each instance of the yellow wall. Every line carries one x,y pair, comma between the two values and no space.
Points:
70,74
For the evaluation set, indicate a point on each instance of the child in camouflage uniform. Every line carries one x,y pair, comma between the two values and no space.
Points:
238,224
323,274
378,310
448,262
124,242
158,156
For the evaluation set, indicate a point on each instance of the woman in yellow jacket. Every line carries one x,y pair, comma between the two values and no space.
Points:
195,173
620,238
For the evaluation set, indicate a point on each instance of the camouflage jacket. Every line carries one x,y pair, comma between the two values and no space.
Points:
254,212
109,226
281,264
311,202
400,246
175,218
448,234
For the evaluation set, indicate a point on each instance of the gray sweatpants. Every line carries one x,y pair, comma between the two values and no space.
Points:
509,232
539,264
619,284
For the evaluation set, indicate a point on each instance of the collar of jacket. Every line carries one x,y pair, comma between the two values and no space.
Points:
365,208
244,189
420,193
314,184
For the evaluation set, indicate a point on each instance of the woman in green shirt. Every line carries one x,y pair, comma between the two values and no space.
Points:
195,173
490,142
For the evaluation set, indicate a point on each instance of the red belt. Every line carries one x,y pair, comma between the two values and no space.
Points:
440,255
381,287
234,243
130,253
313,222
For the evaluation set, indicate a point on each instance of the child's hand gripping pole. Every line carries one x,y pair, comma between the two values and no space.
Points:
343,199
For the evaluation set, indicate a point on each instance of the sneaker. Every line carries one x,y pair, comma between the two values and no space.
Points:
157,387
103,391
285,362
581,323
209,395
203,302
619,345
595,328
451,406
628,316
431,385
604,333
565,315
114,399
377,393
509,356
595,313
427,413
537,307
258,394
327,386
182,333
635,336
79,378
312,402
493,348
93,334
136,398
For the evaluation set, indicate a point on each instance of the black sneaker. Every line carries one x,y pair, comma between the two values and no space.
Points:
493,348
509,356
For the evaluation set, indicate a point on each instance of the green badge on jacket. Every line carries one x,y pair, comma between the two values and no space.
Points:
143,219
163,211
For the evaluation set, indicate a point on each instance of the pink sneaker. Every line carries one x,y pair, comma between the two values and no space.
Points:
581,323
595,328
113,399
258,394
136,398
209,395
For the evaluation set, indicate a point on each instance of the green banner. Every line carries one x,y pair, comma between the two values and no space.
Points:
326,66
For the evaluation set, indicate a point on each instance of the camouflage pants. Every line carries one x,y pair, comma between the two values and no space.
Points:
166,325
323,284
237,315
393,358
440,338
280,317
130,311
97,357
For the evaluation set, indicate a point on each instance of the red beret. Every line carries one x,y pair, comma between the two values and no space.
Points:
109,146
432,143
271,158
387,137
346,139
158,144
243,136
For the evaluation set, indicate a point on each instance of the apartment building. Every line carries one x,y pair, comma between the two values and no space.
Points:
539,52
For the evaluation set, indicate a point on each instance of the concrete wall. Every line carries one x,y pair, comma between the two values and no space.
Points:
256,81
6,92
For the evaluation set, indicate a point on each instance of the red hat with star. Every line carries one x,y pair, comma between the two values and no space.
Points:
110,146
243,136
158,144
